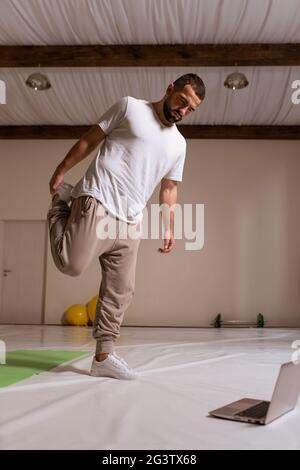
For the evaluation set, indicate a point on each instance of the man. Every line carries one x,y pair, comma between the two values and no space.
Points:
141,147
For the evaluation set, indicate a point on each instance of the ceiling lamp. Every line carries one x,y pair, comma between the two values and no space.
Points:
236,81
38,82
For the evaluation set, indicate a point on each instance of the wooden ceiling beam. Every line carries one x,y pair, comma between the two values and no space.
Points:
172,55
189,132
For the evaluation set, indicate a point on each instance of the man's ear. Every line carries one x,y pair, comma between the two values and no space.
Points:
170,89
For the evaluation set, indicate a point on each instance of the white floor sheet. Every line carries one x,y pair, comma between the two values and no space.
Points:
184,373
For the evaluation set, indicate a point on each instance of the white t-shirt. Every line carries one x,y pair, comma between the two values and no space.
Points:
138,152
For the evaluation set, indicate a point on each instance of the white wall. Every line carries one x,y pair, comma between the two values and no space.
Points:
250,262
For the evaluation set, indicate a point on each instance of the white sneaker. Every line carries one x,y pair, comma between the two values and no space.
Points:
113,366
64,192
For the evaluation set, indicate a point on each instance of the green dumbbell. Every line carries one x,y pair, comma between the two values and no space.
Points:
218,321
260,321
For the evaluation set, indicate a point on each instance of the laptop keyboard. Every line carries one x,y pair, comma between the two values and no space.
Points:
256,411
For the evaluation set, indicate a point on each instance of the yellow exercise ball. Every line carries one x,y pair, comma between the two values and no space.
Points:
77,315
91,307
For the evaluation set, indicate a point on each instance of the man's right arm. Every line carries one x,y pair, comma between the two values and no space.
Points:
83,147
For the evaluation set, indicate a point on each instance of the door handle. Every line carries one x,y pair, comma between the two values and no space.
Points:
5,271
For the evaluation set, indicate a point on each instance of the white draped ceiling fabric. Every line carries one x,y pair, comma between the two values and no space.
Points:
80,95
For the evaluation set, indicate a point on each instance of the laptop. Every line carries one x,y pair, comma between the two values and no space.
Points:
284,399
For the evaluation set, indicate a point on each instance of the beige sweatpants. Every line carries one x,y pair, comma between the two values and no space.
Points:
76,237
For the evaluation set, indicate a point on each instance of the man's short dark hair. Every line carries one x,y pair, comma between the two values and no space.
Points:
193,80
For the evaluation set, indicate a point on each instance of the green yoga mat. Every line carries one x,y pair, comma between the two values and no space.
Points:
24,363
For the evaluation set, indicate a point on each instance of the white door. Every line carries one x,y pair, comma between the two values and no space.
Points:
23,262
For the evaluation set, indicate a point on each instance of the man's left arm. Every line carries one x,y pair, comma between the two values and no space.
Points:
167,201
